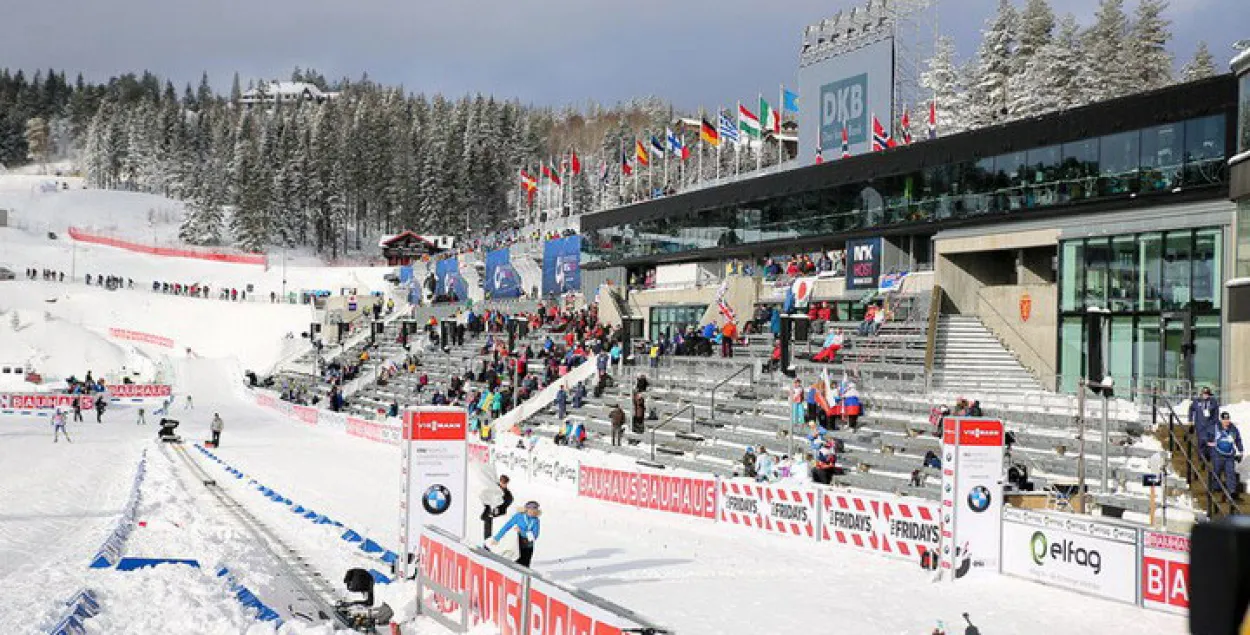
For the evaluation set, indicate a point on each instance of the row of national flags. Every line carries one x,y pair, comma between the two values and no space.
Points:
729,128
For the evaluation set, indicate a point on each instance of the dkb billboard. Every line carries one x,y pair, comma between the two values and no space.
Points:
562,268
845,90
502,279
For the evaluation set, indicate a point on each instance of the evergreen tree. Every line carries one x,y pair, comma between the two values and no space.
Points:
1147,59
1056,71
1104,73
943,81
990,101
1201,66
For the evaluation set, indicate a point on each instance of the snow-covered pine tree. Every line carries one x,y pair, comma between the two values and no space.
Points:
990,100
941,79
1104,73
1201,66
1147,58
1037,25
1055,71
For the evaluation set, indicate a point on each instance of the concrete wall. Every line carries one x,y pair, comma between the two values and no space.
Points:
1034,340
1236,364
966,264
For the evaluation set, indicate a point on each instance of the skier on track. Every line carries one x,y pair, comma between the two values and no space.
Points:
190,406
100,405
141,419
528,527
58,427
77,410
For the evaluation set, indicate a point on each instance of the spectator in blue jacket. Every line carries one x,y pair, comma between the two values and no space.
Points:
528,527
1204,415
562,402
1225,449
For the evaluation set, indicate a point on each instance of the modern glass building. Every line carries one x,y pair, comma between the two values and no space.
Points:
1122,205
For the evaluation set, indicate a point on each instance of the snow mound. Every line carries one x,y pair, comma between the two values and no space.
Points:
57,349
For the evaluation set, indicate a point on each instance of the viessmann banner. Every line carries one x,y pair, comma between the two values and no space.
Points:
562,268
435,473
502,279
1069,552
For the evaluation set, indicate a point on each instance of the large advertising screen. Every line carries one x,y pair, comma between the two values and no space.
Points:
845,90
863,263
502,279
562,268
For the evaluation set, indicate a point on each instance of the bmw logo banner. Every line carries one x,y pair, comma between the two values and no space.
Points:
435,474
972,495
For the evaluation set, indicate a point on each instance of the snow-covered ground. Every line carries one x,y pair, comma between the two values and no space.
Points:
59,501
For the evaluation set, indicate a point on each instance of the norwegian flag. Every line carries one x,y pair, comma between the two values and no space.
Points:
880,136
905,124
933,119
846,143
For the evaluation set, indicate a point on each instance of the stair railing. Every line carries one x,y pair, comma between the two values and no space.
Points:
668,420
1162,408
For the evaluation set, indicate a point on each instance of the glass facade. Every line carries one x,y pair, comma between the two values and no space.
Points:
1149,281
1243,116
1161,158
668,320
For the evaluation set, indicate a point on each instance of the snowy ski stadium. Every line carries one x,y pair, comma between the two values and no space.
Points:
820,374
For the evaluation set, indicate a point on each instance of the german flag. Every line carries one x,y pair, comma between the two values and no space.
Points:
708,133
640,153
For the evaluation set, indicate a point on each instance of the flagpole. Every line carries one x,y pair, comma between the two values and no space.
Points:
738,146
702,143
781,115
620,170
721,142
759,150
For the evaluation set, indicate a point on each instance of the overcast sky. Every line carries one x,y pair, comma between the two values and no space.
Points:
694,52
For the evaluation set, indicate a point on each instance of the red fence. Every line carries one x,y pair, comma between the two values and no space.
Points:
137,336
198,253
674,494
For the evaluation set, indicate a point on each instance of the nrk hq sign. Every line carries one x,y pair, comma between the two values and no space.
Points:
845,90
863,263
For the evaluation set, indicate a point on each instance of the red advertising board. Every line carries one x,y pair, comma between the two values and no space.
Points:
429,424
494,592
662,492
43,401
1165,571
140,391
307,414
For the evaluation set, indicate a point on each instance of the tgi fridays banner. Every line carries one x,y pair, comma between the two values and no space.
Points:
18,403
903,528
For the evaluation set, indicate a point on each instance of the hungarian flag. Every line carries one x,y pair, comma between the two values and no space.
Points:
640,153
933,119
576,164
551,174
676,146
771,119
905,124
846,142
708,133
626,168
881,138
748,123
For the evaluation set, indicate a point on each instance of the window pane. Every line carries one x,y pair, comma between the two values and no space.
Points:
1122,274
1243,238
1207,257
1207,351
1149,285
1204,150
1161,157
1120,156
1080,165
1097,257
1071,359
1070,280
1177,261
1120,360
1243,121
1147,349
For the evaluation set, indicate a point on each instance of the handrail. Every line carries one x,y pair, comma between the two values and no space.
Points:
670,419
1203,466
711,411
930,347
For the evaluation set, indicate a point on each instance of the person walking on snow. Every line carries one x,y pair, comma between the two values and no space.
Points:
77,410
496,499
141,420
1204,415
99,409
190,406
216,426
528,527
58,427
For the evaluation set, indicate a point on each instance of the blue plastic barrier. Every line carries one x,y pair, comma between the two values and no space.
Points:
249,599
131,564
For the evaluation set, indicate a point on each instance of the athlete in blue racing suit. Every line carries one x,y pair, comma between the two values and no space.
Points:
528,527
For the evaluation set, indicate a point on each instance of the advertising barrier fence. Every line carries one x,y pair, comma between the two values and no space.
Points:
140,391
136,336
197,253
41,403
480,588
1108,560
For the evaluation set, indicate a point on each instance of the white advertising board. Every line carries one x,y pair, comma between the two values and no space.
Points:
1071,552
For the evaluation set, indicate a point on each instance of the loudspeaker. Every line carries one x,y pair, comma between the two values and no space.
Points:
1219,576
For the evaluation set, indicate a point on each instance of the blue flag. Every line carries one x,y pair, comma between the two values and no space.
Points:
790,101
